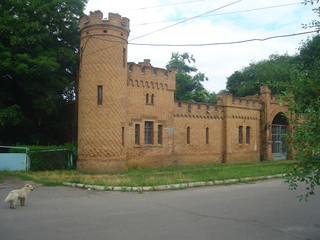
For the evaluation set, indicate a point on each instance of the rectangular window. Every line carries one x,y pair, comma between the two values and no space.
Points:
137,134
159,134
207,135
100,92
122,136
240,134
188,135
148,132
247,135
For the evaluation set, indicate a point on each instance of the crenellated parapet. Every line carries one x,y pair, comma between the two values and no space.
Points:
198,110
247,102
96,24
276,100
243,102
144,75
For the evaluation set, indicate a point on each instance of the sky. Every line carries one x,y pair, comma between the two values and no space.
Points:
189,22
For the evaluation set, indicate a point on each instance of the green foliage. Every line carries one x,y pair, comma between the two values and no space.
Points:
314,23
275,72
303,97
11,116
39,43
298,79
189,81
309,55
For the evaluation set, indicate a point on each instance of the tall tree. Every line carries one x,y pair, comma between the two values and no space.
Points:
301,91
39,43
303,97
189,81
275,72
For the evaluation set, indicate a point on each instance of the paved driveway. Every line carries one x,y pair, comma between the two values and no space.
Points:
261,210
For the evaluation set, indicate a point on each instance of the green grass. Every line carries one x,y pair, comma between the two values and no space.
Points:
157,176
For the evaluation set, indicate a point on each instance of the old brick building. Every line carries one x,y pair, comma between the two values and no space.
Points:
128,116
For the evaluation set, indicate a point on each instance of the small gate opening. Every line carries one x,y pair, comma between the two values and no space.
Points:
279,137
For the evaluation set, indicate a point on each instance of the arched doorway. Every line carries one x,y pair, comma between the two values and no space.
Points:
279,137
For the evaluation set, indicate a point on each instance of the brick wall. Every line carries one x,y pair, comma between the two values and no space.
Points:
138,123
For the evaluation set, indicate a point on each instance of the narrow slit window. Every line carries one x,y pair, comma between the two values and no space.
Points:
188,135
122,136
137,134
159,134
240,134
100,94
148,132
207,135
147,98
152,98
247,135
124,60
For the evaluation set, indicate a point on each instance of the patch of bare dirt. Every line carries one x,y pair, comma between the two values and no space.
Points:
15,183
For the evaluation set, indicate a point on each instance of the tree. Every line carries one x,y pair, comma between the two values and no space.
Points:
315,23
39,42
301,91
189,81
274,72
303,97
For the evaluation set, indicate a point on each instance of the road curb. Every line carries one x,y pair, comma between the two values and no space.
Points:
170,186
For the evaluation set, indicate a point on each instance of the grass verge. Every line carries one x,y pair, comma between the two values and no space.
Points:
139,177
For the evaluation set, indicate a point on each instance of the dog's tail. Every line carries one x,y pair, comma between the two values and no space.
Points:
10,197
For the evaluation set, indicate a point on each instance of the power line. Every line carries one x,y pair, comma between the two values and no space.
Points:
223,43
188,19
202,44
219,14
208,44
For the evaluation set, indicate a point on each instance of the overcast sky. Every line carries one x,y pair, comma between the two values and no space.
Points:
219,21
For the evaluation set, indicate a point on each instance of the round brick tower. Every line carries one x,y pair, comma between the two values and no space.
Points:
102,93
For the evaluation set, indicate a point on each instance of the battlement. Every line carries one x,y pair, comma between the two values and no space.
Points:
144,74
96,18
198,110
228,99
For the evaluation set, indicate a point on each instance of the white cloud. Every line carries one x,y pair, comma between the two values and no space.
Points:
217,62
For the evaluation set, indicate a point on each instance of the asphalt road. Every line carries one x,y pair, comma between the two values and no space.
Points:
261,210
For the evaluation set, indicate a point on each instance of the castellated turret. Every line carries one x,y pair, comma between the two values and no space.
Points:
102,93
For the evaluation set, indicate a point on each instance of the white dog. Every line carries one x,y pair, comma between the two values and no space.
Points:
20,194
